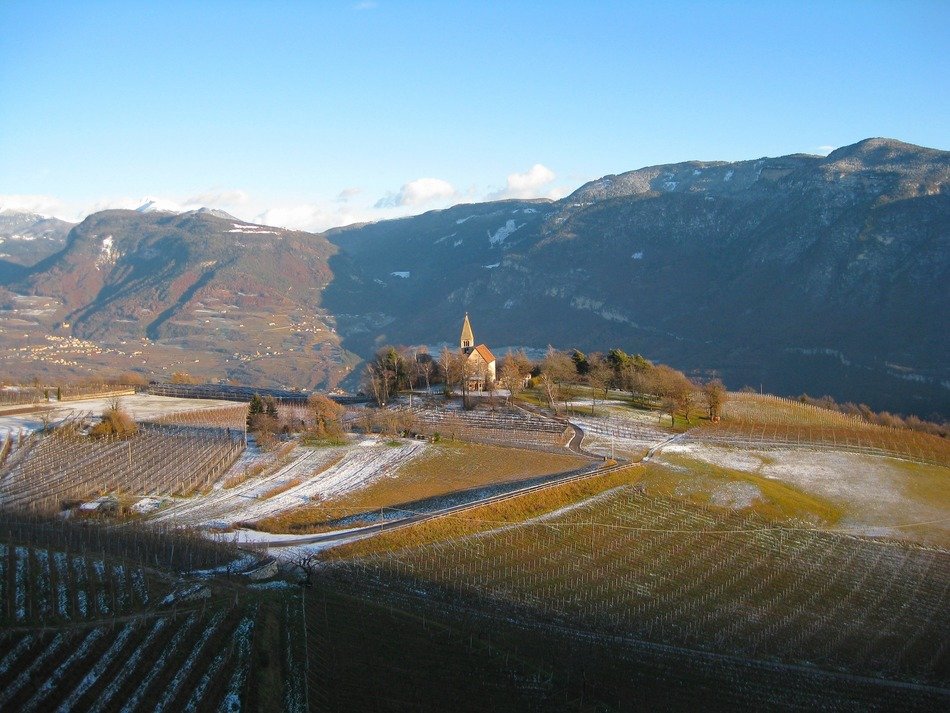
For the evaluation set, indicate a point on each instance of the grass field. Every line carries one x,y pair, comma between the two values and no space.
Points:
445,468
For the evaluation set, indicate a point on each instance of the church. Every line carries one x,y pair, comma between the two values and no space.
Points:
480,362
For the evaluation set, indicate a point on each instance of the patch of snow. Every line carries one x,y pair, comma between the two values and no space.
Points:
508,304
276,584
138,584
729,175
240,640
82,598
404,274
44,582
444,238
19,584
529,210
133,702
99,567
696,172
462,220
13,654
504,232
146,505
172,689
27,673
97,670
670,185
252,229
492,266
53,679
62,572
107,253
457,243
157,205
128,667
638,255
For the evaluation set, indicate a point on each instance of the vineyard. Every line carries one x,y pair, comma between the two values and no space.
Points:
100,620
233,417
504,425
853,438
658,570
305,476
66,466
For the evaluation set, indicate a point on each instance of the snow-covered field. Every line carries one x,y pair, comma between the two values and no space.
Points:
323,473
878,494
141,407
628,437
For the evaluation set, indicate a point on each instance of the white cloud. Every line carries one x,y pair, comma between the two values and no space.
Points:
347,193
533,183
366,5
44,205
825,150
216,198
419,192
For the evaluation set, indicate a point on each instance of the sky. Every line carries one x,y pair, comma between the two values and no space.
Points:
316,114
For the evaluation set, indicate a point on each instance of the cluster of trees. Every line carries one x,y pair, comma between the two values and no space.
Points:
396,369
263,421
881,418
652,384
323,422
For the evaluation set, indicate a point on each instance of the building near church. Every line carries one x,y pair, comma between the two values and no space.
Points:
480,362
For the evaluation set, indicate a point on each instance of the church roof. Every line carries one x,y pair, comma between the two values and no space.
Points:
485,353
467,335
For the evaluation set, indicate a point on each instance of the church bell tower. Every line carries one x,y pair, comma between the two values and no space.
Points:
467,341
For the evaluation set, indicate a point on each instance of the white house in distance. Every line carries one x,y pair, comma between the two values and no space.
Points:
481,362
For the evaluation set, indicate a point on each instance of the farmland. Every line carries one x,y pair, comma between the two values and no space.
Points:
624,565
774,573
447,472
130,620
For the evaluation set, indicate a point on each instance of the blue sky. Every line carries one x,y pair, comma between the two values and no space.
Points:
313,114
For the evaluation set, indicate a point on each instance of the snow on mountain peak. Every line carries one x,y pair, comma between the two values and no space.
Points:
158,205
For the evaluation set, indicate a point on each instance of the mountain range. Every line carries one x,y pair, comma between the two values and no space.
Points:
819,274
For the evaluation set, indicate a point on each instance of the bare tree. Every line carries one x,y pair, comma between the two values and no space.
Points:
511,376
556,370
599,375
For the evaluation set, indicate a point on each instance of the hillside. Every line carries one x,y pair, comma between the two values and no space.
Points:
231,298
801,273
26,238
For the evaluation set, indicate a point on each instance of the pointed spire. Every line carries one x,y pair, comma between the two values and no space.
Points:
468,338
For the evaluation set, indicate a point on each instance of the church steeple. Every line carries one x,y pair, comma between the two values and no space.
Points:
467,341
